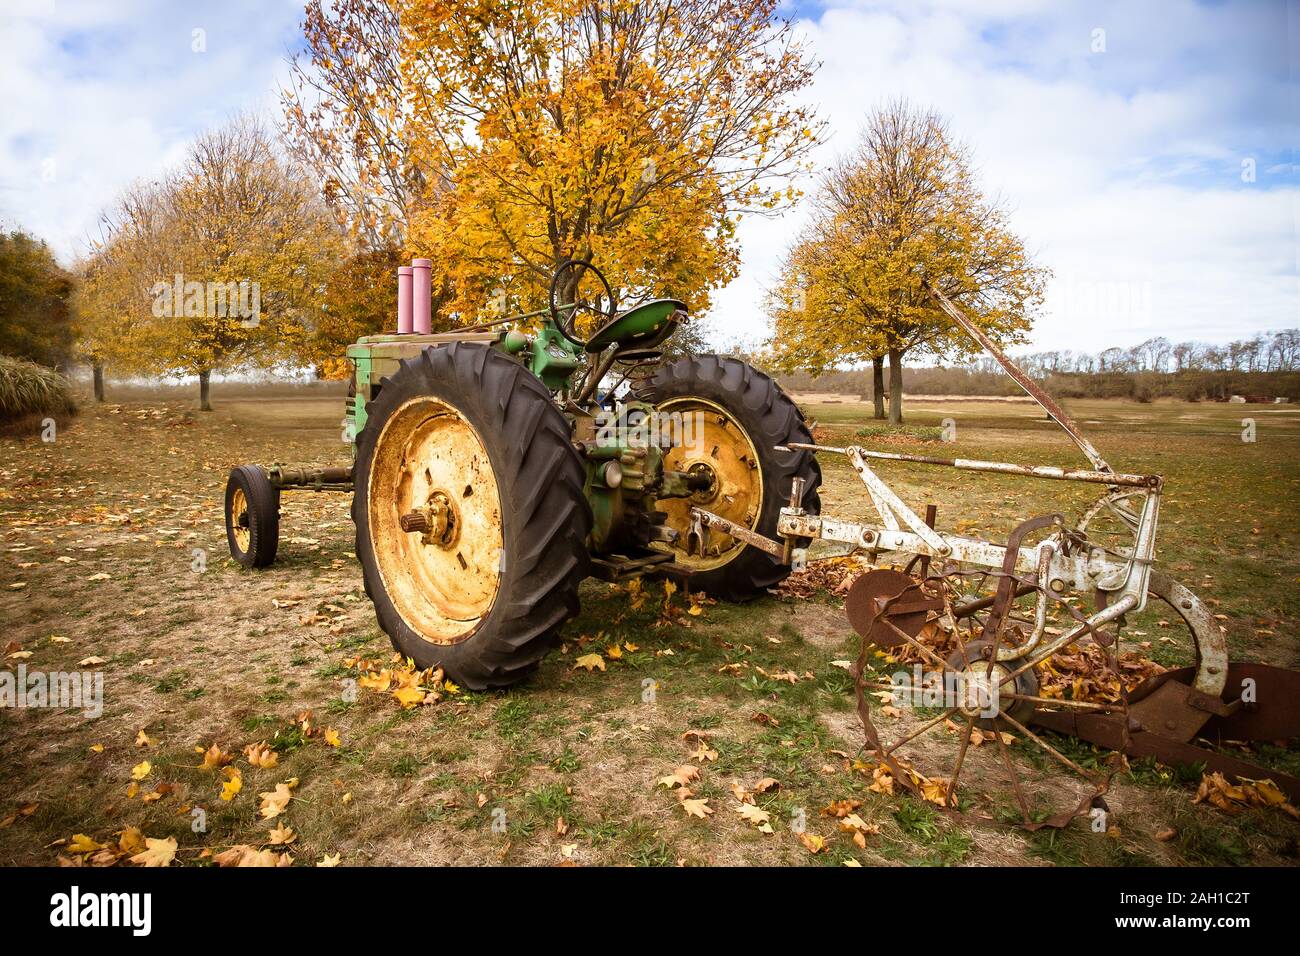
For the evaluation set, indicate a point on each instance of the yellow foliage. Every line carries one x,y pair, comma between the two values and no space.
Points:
630,133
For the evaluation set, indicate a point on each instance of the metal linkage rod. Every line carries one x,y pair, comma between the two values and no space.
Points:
1000,467
1020,378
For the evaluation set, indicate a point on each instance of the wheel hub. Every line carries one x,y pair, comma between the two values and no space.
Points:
720,452
438,523
435,520
239,510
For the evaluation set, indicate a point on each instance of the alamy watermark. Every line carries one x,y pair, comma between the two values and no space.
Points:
66,690
208,300
621,429
972,692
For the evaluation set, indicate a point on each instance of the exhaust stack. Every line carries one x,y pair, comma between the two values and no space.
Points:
422,295
404,289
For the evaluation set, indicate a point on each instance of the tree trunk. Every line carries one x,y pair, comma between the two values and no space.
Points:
895,387
204,404
878,385
99,381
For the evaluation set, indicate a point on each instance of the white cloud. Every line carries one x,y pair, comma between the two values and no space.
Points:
1122,168
100,94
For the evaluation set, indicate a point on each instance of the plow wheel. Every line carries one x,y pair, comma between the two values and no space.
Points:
959,689
733,417
471,522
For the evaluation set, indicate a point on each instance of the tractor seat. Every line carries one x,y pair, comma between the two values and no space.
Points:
643,326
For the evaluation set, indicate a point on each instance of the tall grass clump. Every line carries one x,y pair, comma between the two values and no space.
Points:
28,389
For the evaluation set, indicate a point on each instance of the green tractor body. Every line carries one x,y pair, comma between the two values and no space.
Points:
491,475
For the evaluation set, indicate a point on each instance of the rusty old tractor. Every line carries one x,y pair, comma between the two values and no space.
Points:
497,466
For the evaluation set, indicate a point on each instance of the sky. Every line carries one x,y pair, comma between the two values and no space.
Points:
1145,150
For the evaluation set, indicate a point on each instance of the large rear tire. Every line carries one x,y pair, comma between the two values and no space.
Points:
470,517
745,415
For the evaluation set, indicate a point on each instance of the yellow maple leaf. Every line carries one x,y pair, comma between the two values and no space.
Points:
813,842
408,696
282,835
261,755
759,819
590,662
157,853
80,843
141,770
214,757
329,860
275,802
144,740
697,808
132,841
680,777
935,791
332,737
234,783
704,753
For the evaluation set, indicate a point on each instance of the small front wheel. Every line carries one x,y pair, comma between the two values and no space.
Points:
252,516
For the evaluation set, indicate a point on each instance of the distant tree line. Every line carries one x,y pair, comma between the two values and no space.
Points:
1259,368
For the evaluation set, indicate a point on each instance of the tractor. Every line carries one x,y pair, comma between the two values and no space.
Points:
497,466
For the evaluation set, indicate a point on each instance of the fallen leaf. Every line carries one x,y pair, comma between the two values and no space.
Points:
158,853
214,758
261,755
282,835
759,819
234,783
697,808
680,777
275,802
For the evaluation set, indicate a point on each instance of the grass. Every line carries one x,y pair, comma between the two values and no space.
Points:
30,389
405,786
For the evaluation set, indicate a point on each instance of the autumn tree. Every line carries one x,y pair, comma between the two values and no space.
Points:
113,309
35,318
347,121
345,117
902,205
223,264
359,298
630,133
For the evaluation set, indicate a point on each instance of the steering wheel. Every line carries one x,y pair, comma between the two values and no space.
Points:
564,320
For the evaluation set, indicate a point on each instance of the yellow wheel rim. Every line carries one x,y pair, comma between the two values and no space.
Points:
720,447
429,460
239,520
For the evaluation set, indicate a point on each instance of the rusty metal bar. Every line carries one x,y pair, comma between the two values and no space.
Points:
328,478
1018,375
1000,467
888,503
739,532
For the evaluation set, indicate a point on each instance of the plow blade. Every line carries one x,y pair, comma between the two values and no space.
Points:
1166,714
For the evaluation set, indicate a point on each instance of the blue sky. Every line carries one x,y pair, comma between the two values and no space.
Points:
1118,133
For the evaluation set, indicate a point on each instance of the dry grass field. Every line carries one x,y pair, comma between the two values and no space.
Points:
112,550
